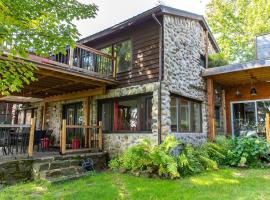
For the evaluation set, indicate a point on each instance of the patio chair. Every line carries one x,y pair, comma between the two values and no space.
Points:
4,141
37,139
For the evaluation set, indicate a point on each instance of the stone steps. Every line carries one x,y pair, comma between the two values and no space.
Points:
61,168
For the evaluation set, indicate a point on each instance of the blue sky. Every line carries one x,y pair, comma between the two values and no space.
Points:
112,12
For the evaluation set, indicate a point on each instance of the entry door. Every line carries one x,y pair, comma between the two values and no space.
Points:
73,113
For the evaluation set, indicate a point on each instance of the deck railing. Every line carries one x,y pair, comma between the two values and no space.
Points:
17,139
87,58
75,138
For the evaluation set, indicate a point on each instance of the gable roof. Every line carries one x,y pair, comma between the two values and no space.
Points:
158,10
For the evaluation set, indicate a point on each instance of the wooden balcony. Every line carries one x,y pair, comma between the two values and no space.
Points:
80,72
87,58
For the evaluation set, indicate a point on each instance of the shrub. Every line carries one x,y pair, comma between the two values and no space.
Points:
162,160
248,151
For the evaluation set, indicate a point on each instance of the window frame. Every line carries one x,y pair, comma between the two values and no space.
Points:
112,45
141,115
191,113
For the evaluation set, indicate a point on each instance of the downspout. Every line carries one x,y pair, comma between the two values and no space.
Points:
160,76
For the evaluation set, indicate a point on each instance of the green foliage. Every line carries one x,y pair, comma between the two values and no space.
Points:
14,75
42,26
236,23
216,60
160,159
248,151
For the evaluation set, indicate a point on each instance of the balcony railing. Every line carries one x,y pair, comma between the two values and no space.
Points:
87,58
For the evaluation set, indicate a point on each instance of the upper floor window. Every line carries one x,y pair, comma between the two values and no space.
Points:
123,55
185,115
122,51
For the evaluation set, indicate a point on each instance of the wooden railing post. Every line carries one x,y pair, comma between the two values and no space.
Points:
63,137
267,127
31,137
114,65
100,135
70,59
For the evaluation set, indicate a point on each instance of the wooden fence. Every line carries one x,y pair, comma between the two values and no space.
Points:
93,138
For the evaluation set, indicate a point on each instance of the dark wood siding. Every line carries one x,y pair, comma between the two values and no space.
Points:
145,52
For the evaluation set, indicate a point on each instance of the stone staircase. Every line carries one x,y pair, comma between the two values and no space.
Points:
62,168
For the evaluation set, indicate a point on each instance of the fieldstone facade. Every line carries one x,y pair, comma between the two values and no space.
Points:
184,46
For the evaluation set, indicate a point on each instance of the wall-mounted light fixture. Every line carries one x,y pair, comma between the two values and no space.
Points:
238,93
253,91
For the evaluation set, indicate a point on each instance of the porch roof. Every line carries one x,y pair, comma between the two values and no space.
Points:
237,74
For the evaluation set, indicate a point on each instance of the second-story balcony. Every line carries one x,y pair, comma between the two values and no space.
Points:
81,71
87,58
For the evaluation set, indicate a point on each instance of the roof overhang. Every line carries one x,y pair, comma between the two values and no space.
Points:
158,10
237,74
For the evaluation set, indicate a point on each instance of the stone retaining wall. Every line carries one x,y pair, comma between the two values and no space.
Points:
15,171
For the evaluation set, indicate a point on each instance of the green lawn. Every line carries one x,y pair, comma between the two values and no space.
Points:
223,184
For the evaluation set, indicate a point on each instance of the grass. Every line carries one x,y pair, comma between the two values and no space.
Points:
223,184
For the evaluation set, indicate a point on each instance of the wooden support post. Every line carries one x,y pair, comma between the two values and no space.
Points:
86,121
267,127
44,117
63,137
211,113
100,135
70,60
223,106
31,137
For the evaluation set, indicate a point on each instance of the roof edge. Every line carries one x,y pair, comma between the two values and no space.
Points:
160,9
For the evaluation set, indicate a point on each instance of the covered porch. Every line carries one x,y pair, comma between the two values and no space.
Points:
243,91
53,114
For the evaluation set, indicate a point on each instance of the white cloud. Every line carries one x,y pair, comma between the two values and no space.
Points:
112,12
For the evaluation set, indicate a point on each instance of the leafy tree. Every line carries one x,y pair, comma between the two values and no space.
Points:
236,23
41,26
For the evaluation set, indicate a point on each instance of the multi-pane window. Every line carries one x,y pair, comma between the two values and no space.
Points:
131,115
122,51
185,115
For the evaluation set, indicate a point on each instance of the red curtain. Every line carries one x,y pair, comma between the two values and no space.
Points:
115,116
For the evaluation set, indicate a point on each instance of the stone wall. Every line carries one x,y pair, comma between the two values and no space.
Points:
184,43
115,143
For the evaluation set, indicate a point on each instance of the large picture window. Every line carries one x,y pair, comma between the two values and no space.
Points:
185,115
122,51
249,116
131,114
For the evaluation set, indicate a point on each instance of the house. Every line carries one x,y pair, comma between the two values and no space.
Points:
142,78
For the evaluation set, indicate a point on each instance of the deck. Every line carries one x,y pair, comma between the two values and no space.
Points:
80,69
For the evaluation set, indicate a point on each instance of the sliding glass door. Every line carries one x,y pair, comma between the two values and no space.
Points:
249,117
